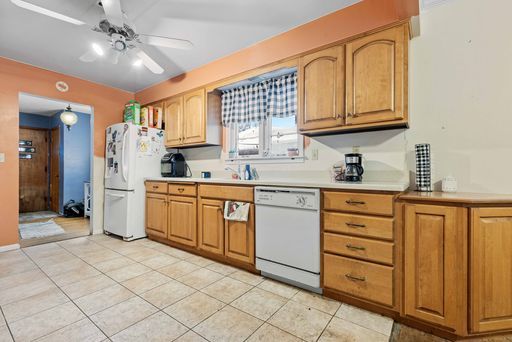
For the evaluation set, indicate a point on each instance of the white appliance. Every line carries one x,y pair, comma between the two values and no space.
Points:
132,153
288,235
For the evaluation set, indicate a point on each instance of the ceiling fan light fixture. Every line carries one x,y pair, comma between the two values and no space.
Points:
137,62
38,9
97,49
68,118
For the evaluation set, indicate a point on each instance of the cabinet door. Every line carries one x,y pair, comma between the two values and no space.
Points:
377,77
491,269
320,89
435,259
156,214
194,117
173,122
239,239
211,226
183,220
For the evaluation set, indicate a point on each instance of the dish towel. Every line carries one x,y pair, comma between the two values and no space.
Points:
423,168
236,211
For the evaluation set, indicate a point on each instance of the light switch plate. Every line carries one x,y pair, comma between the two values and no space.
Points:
2,157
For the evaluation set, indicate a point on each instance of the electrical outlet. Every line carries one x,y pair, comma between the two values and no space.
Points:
2,157
355,149
314,154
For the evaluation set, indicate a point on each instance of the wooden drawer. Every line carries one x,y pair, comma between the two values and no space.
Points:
182,189
371,226
367,249
160,187
378,204
227,192
359,278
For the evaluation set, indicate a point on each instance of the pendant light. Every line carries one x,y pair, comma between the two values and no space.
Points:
68,118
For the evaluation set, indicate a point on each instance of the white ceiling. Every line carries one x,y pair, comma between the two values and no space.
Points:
216,27
43,106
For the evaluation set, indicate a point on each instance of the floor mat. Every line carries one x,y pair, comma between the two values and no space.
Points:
40,229
36,215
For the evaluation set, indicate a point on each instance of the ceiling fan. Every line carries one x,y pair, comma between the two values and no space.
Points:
121,36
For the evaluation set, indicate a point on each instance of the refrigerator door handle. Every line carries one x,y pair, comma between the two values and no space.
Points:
114,195
123,167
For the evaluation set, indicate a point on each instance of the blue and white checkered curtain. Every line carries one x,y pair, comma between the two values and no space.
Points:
255,102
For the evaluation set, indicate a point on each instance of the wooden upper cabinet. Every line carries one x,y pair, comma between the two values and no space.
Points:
182,220
211,226
435,252
491,269
239,239
376,73
194,117
156,214
173,122
320,89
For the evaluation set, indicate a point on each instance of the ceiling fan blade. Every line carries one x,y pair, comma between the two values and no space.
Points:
113,56
149,62
113,12
47,12
89,56
174,43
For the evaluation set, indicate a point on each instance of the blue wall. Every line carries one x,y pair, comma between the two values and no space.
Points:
34,120
75,161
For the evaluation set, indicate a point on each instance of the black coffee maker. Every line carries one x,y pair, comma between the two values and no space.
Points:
353,167
173,165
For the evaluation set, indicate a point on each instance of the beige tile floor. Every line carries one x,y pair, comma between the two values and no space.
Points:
99,288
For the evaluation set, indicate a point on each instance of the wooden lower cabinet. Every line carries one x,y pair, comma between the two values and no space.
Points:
211,225
182,216
435,256
239,239
491,269
156,214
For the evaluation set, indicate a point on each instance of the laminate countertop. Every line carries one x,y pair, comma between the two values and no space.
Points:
372,186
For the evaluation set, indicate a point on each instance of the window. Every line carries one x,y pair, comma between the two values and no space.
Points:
262,120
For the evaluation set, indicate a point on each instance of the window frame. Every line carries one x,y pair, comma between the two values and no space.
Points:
265,138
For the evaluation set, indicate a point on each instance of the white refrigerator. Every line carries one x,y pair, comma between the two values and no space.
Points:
132,153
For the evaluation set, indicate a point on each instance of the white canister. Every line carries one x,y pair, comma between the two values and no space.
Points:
449,184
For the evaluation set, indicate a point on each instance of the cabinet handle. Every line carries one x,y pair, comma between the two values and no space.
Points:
357,248
351,277
354,202
181,190
355,225
155,186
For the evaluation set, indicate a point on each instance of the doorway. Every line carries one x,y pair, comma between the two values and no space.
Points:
55,169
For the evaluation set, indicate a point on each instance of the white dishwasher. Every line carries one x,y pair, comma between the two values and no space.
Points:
288,235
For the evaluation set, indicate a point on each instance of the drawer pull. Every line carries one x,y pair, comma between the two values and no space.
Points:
181,190
155,187
355,225
355,278
354,202
357,248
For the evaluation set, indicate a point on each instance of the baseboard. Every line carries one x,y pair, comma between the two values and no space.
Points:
9,247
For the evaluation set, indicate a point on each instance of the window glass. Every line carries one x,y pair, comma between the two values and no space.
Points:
284,139
248,140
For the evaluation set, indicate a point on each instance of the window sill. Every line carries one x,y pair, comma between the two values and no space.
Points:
268,160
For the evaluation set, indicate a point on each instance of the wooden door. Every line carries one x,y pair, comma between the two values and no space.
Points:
194,117
34,172
183,220
239,240
435,264
376,77
211,225
55,169
491,269
156,214
320,89
173,122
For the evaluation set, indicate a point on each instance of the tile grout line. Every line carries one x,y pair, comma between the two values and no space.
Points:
6,324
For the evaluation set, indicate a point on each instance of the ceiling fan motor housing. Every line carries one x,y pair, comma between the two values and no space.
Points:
118,42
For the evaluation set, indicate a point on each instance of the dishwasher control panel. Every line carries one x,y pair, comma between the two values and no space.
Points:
308,199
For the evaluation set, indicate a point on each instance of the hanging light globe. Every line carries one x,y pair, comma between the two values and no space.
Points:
68,118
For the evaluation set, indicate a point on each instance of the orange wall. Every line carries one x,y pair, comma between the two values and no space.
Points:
361,17
16,77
